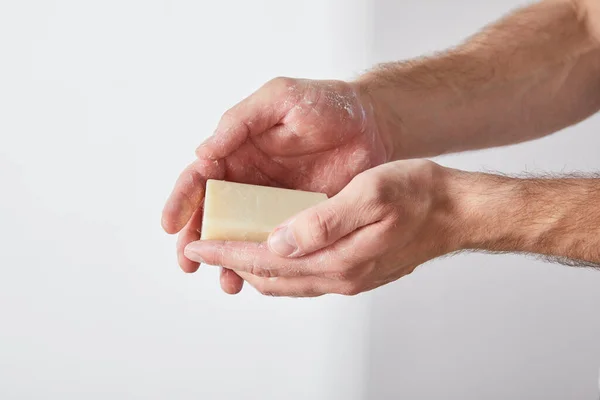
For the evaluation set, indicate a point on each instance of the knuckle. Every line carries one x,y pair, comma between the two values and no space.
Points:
342,275
256,266
378,188
309,291
282,83
360,180
253,267
350,289
195,178
181,244
185,197
425,165
212,257
217,257
319,227
258,271
256,282
228,115
263,288
260,287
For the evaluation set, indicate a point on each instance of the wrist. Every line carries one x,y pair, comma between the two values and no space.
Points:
446,217
416,105
476,211
483,206
379,110
376,115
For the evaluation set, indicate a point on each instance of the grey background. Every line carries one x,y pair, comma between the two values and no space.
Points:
484,326
101,106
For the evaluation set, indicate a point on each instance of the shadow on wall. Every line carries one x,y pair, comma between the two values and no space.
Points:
481,326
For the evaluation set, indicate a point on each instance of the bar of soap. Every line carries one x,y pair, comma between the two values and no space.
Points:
242,212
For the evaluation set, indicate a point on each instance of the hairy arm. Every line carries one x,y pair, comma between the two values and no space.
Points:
530,74
556,218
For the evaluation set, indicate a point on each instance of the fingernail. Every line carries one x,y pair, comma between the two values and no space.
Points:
191,252
282,242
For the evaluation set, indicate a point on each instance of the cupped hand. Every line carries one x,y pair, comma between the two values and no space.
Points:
297,134
380,227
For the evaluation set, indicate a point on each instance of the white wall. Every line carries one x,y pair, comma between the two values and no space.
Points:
101,105
479,326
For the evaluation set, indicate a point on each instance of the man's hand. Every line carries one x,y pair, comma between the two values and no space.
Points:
297,134
394,217
380,227
530,74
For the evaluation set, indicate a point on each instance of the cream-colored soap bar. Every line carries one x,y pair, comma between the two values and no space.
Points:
241,212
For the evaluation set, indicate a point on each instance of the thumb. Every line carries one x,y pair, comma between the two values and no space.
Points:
319,226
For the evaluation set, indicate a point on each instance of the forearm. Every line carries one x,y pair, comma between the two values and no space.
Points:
534,72
558,218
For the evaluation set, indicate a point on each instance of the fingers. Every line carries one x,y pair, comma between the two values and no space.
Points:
253,116
349,280
290,287
325,223
231,282
190,233
343,268
325,115
298,134
254,258
188,193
